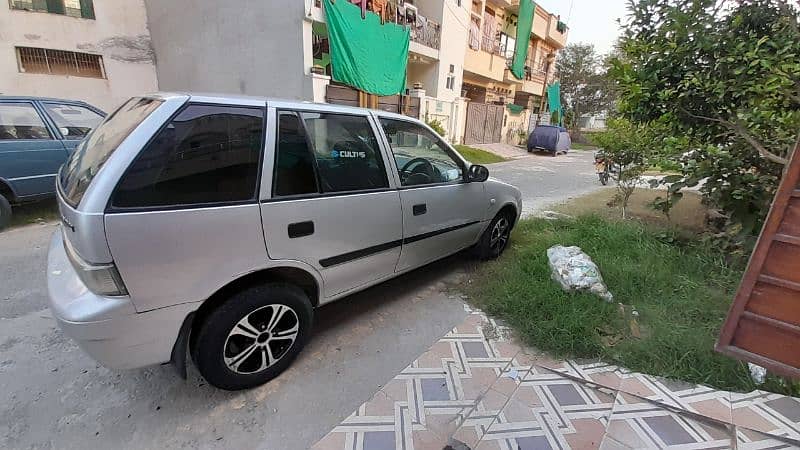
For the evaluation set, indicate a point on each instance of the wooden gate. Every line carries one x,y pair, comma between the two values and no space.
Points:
484,123
763,325
345,95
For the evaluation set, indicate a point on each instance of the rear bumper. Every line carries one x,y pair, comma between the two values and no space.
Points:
108,328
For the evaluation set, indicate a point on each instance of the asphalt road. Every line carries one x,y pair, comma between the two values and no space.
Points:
54,396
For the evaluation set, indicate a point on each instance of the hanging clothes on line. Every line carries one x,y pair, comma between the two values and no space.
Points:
474,35
488,42
381,8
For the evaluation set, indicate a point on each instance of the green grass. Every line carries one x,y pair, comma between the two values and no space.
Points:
579,146
478,156
680,288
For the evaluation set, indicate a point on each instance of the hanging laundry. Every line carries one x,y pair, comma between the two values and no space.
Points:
354,44
363,5
380,7
474,36
489,31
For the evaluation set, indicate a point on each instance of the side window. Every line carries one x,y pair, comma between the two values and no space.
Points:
21,121
420,156
294,166
347,152
73,121
207,154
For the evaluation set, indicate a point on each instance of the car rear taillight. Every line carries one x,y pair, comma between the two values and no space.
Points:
101,279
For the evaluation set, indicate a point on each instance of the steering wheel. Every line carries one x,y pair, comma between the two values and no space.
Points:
418,176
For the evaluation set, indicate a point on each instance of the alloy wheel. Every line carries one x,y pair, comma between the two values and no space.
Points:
499,236
261,338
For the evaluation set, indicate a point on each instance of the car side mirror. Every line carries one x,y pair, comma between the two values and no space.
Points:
477,173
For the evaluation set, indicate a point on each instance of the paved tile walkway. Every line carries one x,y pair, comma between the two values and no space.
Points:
477,389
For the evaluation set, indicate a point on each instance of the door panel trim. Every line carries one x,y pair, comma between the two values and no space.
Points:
433,233
364,252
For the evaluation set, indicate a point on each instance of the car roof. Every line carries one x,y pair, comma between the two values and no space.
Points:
44,99
239,99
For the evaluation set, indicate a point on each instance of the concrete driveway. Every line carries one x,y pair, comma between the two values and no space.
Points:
53,396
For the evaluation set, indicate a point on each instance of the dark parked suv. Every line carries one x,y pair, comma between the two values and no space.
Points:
36,136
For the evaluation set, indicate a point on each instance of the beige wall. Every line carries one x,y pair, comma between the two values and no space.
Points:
119,34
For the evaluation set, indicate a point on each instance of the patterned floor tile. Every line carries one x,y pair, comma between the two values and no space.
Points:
697,399
548,410
753,440
637,423
479,387
428,400
766,412
602,374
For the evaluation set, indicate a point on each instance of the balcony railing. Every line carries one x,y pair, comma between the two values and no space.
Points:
426,32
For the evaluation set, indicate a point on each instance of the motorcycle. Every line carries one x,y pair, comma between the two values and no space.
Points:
602,166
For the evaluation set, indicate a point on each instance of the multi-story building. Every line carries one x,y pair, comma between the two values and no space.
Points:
98,52
488,82
457,70
458,57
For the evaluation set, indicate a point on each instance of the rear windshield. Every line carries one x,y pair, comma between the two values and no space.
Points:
94,151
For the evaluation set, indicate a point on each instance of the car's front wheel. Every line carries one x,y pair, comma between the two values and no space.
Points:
253,336
495,238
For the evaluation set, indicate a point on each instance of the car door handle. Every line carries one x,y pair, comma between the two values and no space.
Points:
420,209
300,229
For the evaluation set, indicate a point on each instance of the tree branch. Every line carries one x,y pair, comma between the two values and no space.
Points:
741,130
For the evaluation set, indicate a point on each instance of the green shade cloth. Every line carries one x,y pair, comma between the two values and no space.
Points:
554,99
514,109
365,54
524,27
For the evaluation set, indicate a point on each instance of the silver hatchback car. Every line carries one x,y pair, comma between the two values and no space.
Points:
215,225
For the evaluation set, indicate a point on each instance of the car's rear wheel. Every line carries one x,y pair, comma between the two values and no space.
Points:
5,212
495,238
253,336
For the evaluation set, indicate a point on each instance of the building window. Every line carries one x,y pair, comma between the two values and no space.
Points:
451,78
60,62
73,8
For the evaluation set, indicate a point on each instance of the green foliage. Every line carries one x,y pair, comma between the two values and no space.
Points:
437,126
725,76
478,156
585,88
680,288
629,147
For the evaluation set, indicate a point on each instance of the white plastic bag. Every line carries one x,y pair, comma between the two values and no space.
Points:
574,270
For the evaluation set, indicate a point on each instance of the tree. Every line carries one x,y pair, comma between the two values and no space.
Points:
724,76
628,147
585,89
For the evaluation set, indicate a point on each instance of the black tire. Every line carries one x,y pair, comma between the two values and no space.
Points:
5,212
486,249
211,344
604,179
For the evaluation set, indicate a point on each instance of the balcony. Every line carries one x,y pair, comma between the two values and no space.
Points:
488,62
426,32
557,35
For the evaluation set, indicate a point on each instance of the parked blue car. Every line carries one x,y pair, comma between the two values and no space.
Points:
36,136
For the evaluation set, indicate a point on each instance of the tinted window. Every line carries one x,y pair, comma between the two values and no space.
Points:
21,121
74,122
207,154
421,157
294,166
92,153
347,153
